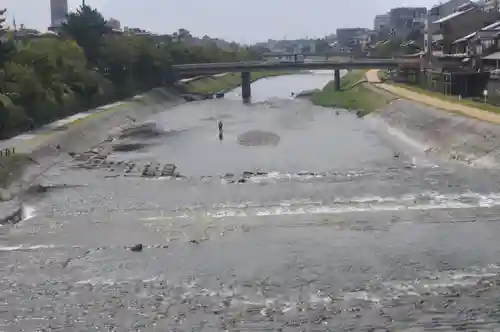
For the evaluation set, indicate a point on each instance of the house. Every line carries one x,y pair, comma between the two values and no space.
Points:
466,20
481,43
432,40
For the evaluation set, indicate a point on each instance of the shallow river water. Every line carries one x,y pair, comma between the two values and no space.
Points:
330,232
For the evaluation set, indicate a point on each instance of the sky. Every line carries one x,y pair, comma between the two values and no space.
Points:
242,21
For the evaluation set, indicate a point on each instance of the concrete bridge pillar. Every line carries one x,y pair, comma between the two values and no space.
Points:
246,92
337,79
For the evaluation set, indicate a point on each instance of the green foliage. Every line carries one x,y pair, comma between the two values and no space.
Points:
353,95
87,65
87,27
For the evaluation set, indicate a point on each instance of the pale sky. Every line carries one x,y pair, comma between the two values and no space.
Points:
242,21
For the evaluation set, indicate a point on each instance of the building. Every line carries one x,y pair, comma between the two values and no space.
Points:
114,24
58,12
403,21
354,39
350,36
442,10
381,22
468,19
137,32
432,39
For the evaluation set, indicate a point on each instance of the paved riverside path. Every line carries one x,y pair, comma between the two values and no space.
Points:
372,77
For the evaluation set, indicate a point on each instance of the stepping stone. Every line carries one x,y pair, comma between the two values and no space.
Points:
169,170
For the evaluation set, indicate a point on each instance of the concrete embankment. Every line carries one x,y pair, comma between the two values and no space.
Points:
85,131
438,133
39,148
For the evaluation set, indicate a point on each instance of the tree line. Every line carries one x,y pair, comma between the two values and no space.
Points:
87,64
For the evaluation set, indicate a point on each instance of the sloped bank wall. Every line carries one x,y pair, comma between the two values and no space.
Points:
438,133
95,128
87,133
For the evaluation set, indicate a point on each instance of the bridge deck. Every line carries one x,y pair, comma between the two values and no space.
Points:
214,68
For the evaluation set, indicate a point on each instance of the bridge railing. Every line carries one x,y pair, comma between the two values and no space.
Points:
201,65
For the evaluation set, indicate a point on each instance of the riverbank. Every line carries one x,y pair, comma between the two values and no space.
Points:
37,150
86,130
435,133
227,82
353,94
468,108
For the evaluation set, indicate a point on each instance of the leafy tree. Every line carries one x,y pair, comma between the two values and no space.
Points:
87,27
6,47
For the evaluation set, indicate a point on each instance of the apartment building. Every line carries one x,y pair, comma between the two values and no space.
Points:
58,12
381,22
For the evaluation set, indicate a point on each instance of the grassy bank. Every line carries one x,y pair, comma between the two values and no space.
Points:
453,99
353,94
226,82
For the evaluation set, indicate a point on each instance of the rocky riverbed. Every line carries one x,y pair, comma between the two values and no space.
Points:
338,226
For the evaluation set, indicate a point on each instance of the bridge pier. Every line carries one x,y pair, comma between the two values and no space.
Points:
337,79
246,92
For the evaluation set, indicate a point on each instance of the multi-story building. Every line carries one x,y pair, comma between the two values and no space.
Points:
58,12
467,19
348,36
432,38
352,38
381,22
405,20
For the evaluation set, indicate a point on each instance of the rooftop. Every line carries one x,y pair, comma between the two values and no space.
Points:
453,15
493,56
493,26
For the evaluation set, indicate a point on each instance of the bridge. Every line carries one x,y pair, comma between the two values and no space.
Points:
245,68
326,55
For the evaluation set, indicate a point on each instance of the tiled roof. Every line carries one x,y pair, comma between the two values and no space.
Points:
453,15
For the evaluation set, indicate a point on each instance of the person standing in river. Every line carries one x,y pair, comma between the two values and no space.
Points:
221,134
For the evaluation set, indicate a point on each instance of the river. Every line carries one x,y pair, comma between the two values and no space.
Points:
335,229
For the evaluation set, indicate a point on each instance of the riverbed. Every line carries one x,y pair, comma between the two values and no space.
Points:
299,218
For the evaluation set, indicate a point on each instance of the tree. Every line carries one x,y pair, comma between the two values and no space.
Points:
87,27
3,30
6,46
